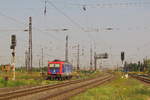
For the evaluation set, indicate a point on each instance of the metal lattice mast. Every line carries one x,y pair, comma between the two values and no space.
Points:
91,60
30,44
95,61
66,51
42,60
78,57
26,60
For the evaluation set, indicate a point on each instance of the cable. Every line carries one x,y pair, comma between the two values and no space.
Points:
110,5
13,19
46,33
20,22
72,21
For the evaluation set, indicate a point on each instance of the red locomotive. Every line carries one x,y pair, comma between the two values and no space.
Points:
59,70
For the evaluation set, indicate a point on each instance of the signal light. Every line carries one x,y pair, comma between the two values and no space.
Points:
122,56
106,56
13,41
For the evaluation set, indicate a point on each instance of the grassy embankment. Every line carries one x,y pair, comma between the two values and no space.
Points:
119,89
24,79
86,74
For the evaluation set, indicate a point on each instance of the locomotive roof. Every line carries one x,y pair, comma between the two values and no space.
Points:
59,61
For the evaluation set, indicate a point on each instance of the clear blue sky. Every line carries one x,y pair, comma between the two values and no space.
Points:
130,23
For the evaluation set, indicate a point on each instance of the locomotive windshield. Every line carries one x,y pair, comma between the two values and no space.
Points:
57,65
54,65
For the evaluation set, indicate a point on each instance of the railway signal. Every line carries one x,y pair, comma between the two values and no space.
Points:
122,56
13,41
84,7
99,56
13,45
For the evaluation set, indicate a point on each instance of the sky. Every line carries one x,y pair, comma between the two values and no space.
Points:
128,19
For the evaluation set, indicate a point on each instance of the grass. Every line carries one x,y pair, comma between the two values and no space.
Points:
119,89
89,74
31,82
23,79
28,79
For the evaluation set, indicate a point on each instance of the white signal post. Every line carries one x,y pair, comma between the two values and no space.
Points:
13,64
13,45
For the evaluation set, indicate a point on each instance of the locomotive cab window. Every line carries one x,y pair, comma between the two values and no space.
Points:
57,65
54,65
51,65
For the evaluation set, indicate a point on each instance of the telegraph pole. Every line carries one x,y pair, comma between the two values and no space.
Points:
26,60
78,57
39,65
95,61
91,60
66,51
42,60
30,44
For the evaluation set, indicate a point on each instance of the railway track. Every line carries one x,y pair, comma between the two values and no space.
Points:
24,92
141,78
74,90
52,91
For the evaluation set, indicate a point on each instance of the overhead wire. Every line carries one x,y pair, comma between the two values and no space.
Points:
13,19
104,5
64,14
117,4
120,5
22,23
69,18
78,25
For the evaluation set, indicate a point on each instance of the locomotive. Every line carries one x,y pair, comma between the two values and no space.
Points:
59,70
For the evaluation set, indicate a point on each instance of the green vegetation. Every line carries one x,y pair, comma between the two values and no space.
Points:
119,89
138,67
84,74
31,82
36,78
24,78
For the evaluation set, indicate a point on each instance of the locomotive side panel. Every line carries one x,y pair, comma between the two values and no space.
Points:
67,69
59,70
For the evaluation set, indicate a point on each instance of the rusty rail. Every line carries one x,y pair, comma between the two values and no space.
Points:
141,78
69,92
37,89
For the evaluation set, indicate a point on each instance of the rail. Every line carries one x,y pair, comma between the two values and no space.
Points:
39,89
143,78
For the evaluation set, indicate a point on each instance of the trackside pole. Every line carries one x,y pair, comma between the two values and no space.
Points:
13,64
13,45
